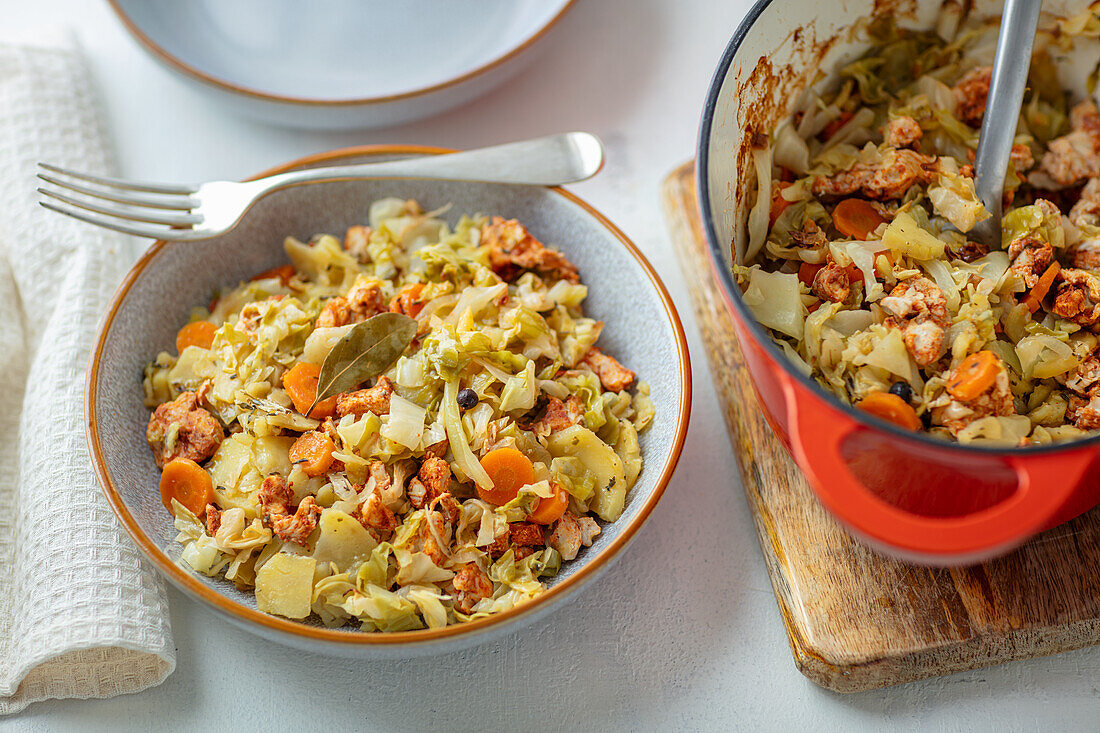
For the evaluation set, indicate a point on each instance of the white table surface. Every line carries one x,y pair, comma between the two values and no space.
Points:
683,633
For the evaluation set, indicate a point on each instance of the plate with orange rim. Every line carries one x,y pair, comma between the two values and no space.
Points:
342,64
642,328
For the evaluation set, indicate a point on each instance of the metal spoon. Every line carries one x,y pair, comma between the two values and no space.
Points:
1002,110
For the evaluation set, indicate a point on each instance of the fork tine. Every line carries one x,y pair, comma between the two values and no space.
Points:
153,232
150,231
120,183
131,213
156,201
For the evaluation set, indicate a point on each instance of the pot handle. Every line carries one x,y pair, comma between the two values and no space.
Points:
817,436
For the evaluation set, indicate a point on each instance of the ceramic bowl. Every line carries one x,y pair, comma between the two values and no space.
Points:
341,64
643,330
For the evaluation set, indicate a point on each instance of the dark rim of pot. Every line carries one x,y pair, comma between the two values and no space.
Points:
717,253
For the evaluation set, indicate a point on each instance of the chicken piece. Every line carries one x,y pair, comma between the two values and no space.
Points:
956,414
275,497
888,179
832,283
521,552
1086,211
449,506
366,299
902,132
213,519
571,533
971,93
1075,156
431,548
1085,377
924,340
499,546
521,538
335,312
512,249
1084,414
811,236
378,519
554,415
182,429
435,472
359,403
274,490
1031,256
382,480
297,527
613,376
471,585
922,307
433,479
418,493
1077,297
917,297
356,240
436,534
970,251
1021,158
526,534
328,427
1086,255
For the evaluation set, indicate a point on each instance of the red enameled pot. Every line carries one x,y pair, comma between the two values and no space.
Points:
907,494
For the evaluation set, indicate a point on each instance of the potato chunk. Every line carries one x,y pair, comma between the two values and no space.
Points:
284,585
343,540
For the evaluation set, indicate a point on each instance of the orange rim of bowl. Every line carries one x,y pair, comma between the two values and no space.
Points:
178,64
219,602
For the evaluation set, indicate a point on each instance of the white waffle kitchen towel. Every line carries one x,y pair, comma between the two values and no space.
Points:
81,614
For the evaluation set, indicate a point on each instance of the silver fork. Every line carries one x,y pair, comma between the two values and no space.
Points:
187,213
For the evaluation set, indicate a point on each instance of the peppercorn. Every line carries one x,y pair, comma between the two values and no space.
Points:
467,398
902,390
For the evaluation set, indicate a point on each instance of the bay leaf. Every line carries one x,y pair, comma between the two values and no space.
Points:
367,350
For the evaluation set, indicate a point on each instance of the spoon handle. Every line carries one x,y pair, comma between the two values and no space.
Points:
1002,110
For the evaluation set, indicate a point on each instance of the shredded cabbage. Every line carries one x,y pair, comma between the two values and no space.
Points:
369,512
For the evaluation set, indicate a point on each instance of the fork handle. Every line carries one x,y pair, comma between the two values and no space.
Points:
546,161
1006,93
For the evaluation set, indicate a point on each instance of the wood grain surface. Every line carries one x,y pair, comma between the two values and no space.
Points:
855,619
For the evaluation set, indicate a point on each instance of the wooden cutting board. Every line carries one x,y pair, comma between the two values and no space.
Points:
855,619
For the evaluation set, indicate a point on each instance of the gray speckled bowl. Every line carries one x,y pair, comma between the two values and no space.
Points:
643,330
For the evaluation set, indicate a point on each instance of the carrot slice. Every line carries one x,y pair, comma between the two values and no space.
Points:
196,333
407,300
891,408
779,205
300,382
550,510
283,272
834,127
188,483
312,452
509,469
856,218
1046,280
807,272
974,375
